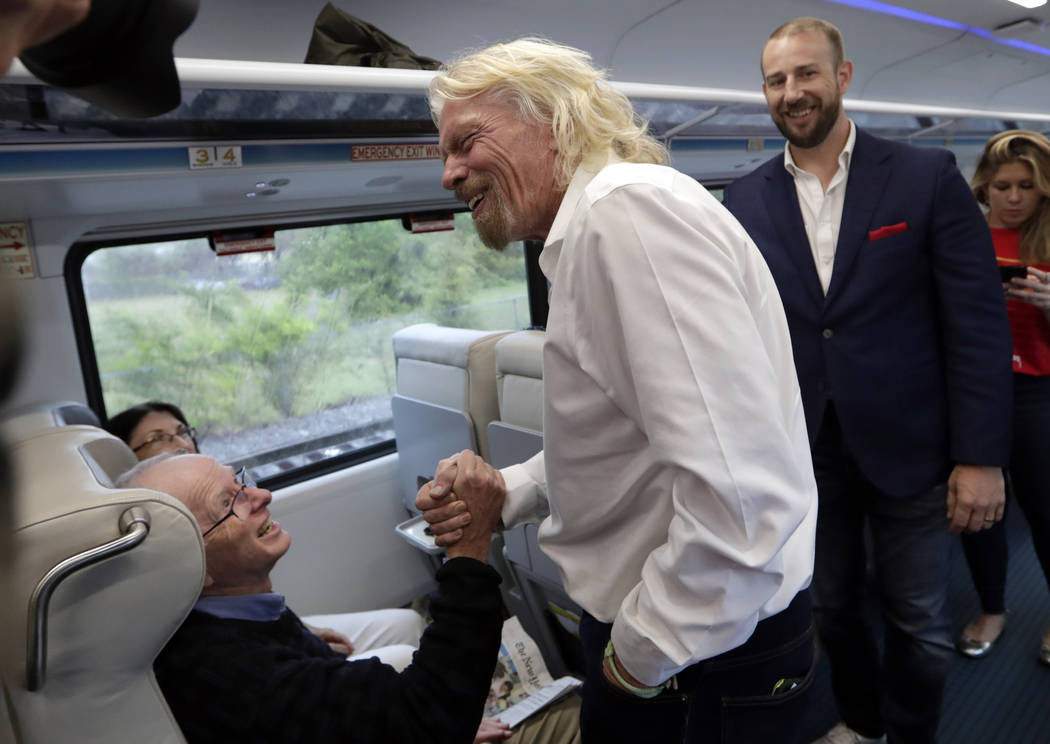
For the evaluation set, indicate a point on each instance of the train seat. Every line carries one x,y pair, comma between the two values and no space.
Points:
24,421
100,580
518,432
446,395
515,437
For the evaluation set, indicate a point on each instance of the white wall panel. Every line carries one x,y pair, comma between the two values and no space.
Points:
345,555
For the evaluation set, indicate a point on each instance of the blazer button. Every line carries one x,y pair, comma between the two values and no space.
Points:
827,333
822,386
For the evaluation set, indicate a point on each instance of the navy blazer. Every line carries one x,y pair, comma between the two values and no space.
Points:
912,341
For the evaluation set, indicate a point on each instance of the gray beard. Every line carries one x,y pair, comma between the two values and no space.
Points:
492,228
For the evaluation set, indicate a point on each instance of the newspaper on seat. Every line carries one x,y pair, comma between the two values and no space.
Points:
521,684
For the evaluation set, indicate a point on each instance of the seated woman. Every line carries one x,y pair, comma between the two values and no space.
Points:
154,427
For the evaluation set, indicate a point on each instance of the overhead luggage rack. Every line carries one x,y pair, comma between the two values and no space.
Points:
224,99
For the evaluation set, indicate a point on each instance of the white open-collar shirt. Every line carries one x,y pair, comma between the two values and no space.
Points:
822,210
676,466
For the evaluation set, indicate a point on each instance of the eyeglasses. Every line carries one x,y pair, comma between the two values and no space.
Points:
156,437
241,506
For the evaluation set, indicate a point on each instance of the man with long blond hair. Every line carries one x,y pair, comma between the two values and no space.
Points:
676,484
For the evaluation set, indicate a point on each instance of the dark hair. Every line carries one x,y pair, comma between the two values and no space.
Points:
122,424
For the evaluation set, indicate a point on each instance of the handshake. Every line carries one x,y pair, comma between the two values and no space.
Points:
462,504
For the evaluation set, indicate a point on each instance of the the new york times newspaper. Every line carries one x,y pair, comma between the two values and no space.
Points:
521,684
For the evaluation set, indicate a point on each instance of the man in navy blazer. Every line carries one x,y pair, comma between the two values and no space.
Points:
886,269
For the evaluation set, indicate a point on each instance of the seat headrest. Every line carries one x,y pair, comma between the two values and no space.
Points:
108,458
430,342
521,353
25,421
62,469
519,379
450,367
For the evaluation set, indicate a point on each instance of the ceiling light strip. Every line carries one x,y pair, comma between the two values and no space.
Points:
913,15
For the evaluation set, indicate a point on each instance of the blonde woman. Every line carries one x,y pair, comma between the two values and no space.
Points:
1013,182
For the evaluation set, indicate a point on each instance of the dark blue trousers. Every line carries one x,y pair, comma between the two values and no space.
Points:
899,691
727,698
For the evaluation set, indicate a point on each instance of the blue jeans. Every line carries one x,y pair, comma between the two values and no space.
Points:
899,692
727,698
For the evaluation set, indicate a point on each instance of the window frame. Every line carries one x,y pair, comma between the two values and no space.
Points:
72,272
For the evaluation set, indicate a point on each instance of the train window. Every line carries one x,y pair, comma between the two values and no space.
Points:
283,358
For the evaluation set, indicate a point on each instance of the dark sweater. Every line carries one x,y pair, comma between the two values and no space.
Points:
243,681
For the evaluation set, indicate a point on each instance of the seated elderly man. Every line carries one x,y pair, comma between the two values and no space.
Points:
243,668
154,427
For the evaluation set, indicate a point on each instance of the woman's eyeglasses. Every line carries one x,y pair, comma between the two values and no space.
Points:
186,433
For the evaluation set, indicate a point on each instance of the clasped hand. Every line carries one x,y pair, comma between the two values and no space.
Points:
462,504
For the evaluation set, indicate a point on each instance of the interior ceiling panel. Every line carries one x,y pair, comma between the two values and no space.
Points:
1022,95
965,73
987,14
689,31
711,43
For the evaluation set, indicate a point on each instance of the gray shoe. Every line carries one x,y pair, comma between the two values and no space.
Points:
976,649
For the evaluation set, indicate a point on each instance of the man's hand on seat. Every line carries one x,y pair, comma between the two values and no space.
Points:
336,641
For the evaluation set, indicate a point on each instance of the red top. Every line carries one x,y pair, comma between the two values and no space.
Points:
1028,325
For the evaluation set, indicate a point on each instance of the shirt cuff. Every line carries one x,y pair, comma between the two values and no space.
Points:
640,656
526,500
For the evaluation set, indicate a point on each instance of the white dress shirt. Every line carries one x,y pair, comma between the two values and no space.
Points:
822,211
677,472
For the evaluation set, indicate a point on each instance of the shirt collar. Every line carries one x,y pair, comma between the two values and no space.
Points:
257,607
844,156
581,178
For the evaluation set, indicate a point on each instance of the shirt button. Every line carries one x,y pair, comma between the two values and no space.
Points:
827,333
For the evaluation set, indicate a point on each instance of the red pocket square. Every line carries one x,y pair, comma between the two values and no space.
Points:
888,230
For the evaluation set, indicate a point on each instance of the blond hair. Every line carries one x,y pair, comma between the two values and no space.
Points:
1033,149
557,85
804,25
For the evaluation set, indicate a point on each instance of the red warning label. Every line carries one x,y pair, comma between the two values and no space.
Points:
16,256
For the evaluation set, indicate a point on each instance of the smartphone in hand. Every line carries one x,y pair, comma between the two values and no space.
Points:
1006,273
